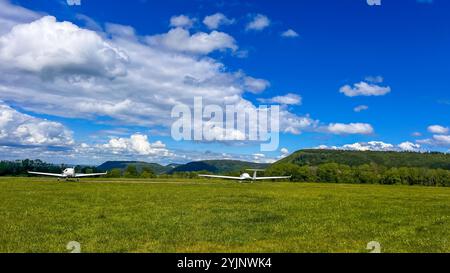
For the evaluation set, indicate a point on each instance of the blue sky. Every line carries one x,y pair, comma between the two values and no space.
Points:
391,61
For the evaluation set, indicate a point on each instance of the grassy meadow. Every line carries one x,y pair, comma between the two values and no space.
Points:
126,215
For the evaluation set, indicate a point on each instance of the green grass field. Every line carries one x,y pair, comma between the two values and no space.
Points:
104,215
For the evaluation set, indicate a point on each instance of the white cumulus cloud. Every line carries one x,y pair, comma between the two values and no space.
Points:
290,33
284,152
442,139
369,146
351,128
181,21
60,48
288,99
258,22
179,39
364,89
293,124
409,146
360,108
120,30
255,85
438,129
20,129
216,20
136,143
375,146
440,136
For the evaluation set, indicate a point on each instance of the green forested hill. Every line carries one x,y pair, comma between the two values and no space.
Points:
357,158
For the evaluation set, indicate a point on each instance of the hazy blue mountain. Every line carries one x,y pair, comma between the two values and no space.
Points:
218,166
157,168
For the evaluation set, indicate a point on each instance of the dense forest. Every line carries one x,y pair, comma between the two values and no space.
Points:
362,174
366,167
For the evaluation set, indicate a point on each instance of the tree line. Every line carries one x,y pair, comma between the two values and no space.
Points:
131,171
363,174
21,167
326,173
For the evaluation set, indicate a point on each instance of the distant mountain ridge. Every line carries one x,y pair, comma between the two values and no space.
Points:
155,167
218,166
212,166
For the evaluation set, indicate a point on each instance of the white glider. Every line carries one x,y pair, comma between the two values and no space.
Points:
246,176
68,173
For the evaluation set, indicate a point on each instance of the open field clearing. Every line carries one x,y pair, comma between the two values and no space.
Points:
157,215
